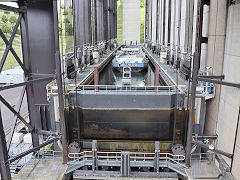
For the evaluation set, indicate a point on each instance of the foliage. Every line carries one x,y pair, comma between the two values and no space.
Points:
142,3
65,12
13,19
62,6
66,21
4,19
60,31
69,29
6,12
6,29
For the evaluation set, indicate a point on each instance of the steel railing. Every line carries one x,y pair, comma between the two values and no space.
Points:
134,156
128,88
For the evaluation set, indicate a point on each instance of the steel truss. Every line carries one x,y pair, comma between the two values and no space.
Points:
27,86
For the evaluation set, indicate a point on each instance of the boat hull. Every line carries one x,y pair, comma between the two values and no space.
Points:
135,67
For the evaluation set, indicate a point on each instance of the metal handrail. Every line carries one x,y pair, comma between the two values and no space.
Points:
135,156
129,88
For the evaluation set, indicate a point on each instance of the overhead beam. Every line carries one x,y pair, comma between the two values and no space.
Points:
213,77
27,82
219,82
9,8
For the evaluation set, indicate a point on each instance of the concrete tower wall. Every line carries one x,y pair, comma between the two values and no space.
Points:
131,21
229,102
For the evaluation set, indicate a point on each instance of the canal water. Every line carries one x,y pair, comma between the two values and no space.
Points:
110,76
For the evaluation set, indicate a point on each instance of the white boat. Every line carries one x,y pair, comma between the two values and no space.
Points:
130,56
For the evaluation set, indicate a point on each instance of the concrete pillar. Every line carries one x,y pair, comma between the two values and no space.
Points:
215,57
229,105
204,34
154,22
131,21
166,22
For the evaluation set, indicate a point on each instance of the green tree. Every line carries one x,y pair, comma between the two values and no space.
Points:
62,6
66,21
12,19
142,3
6,29
69,29
6,12
60,31
4,19
65,12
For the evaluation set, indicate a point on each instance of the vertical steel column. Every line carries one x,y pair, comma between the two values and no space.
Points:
4,168
94,21
94,155
105,19
192,108
59,83
146,20
169,22
109,23
157,69
29,88
125,164
96,78
156,157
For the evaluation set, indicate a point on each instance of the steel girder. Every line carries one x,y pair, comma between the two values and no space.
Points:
41,64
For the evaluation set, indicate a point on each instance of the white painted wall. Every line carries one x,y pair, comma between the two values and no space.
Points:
131,21
230,97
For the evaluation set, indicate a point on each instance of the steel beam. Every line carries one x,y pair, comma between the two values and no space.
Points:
206,137
192,108
29,82
59,84
157,156
4,168
94,155
32,150
9,8
206,146
15,112
96,77
29,88
213,77
12,51
61,107
219,82
10,42
15,117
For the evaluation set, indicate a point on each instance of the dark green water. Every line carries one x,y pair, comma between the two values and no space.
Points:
110,76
